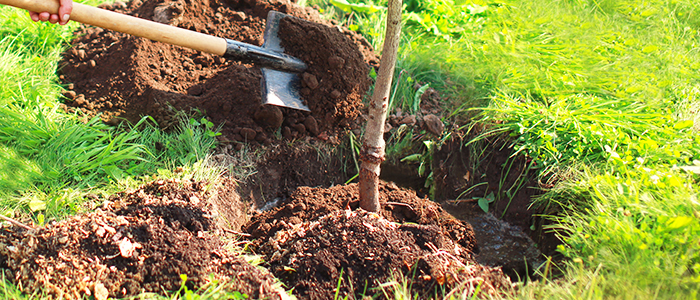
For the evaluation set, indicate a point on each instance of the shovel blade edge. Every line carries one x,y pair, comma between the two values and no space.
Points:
282,89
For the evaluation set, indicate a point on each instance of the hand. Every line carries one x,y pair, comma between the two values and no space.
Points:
62,17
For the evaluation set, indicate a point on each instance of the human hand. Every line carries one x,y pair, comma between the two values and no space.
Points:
62,17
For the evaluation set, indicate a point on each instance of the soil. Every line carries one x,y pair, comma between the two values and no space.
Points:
124,77
141,240
360,251
316,234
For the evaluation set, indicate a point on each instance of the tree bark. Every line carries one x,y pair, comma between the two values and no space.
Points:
372,151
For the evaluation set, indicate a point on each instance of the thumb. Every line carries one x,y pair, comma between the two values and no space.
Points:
64,11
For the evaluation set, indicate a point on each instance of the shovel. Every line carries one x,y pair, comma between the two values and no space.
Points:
280,83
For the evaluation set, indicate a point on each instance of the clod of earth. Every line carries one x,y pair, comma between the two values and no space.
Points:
124,77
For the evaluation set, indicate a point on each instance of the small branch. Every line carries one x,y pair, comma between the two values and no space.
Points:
401,204
235,232
15,222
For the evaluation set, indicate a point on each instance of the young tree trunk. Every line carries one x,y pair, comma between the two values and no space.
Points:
372,152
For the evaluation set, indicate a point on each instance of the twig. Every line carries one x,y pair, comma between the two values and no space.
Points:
15,222
235,232
401,204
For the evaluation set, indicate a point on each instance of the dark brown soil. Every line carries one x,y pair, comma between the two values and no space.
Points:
292,237
337,75
121,76
362,250
141,240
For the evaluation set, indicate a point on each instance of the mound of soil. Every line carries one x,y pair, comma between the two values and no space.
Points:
363,250
125,77
310,237
140,241
397,205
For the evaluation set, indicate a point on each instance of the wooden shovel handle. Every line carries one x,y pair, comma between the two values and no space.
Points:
129,25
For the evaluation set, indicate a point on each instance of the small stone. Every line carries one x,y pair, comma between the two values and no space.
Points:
70,86
434,124
108,104
227,107
311,125
238,146
309,80
269,116
92,63
126,248
248,133
81,54
100,291
335,94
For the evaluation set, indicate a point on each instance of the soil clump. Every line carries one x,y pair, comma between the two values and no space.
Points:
125,77
138,241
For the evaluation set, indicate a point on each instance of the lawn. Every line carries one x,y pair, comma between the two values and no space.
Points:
602,98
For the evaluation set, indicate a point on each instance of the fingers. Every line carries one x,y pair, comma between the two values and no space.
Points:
44,16
34,16
53,18
62,17
64,11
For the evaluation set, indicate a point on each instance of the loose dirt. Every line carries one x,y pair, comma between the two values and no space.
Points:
318,233
125,77
138,241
